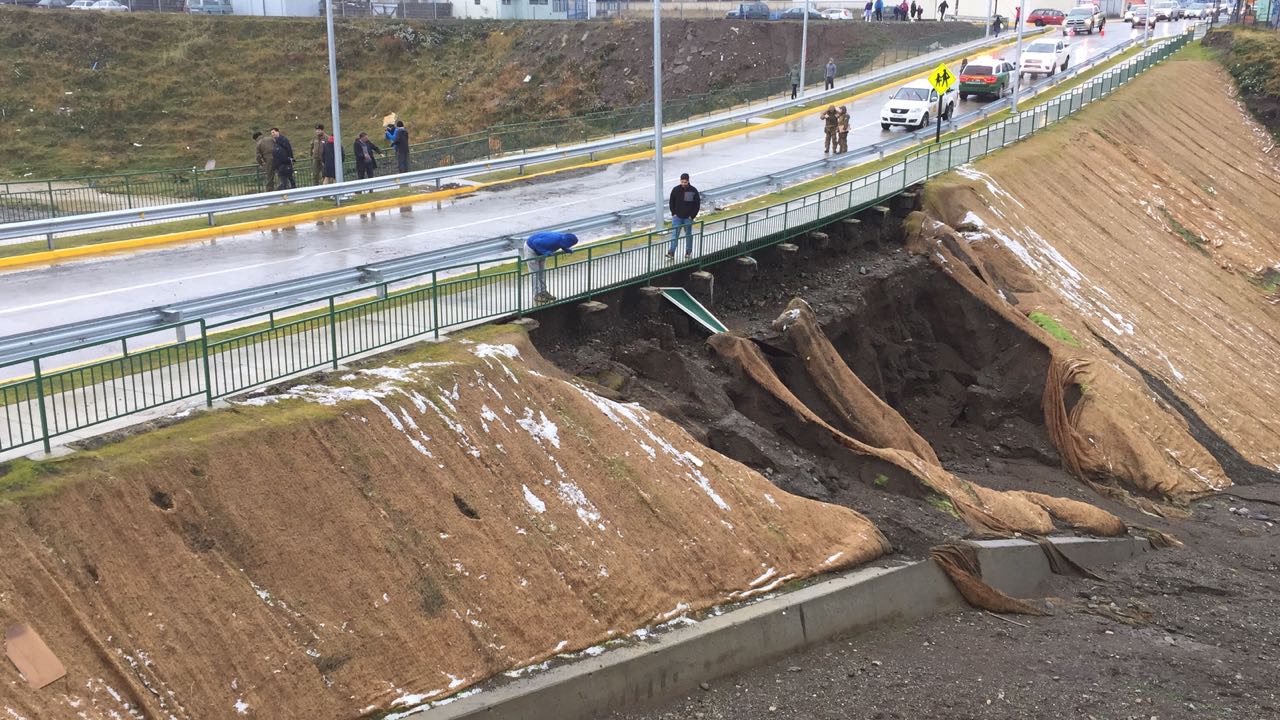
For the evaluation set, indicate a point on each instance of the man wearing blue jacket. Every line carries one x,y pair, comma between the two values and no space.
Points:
543,245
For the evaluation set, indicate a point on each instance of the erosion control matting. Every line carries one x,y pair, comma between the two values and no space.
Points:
381,537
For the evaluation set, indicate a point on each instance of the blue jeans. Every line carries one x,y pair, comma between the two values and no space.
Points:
676,224
538,264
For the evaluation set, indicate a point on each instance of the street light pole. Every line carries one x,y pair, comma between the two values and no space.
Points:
990,17
333,92
1017,63
804,45
657,116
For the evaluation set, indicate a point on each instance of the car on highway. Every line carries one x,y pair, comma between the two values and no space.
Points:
108,6
750,11
81,5
986,76
913,104
1196,10
1167,10
1141,16
797,13
1046,16
50,4
837,14
1045,57
1083,20
19,3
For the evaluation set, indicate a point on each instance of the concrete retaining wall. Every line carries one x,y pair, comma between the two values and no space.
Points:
676,662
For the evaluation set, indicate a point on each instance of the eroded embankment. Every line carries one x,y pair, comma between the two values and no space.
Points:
383,538
1150,245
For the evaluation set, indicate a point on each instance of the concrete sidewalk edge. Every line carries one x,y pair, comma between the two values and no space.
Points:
676,662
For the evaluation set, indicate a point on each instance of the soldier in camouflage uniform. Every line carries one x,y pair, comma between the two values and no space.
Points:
317,155
266,148
832,122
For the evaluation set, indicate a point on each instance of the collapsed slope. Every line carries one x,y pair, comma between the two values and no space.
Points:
1148,256
383,539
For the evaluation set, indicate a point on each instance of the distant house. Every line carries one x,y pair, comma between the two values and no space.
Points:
472,9
525,9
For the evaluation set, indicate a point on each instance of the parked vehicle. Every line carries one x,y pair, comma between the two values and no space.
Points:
50,4
210,7
1084,20
750,11
20,3
1046,16
1167,10
913,104
837,14
108,6
797,13
81,5
986,76
1045,57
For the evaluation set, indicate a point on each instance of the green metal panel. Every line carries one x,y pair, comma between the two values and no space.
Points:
694,309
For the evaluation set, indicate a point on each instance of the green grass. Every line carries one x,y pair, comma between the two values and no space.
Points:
1052,327
24,479
941,504
1252,57
1182,231
881,480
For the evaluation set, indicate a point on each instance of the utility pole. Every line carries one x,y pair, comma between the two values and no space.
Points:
1151,21
1017,63
804,45
658,213
333,92
991,13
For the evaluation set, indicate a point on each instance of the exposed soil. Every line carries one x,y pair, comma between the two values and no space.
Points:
99,93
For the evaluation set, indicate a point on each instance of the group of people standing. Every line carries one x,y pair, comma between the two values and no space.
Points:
276,159
835,125
874,10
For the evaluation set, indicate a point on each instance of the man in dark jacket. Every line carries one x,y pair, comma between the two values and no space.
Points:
265,146
365,162
330,162
283,155
685,201
400,143
543,245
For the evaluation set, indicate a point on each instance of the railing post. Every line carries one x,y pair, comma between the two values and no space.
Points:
53,208
128,193
44,420
590,262
435,305
333,333
204,352
519,286
702,246
195,183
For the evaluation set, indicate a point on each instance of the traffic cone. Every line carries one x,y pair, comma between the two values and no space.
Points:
1102,30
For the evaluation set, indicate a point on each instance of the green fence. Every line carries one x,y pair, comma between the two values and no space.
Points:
219,359
43,199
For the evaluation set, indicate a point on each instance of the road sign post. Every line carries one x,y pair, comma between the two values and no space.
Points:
941,79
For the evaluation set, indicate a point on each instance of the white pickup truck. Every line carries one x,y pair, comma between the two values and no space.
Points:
914,103
1045,57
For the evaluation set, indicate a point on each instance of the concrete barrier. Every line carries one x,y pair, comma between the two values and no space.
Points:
675,662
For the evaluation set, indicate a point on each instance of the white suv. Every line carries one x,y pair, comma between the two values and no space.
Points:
1045,57
913,104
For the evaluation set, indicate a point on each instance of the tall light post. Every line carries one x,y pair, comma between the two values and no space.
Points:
657,116
1017,63
1151,21
991,14
333,92
804,45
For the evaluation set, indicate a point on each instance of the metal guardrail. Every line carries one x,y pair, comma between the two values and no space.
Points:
49,227
235,355
44,341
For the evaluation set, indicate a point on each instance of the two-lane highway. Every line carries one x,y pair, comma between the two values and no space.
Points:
46,296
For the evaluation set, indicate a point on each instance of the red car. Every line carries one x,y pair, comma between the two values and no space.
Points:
1046,16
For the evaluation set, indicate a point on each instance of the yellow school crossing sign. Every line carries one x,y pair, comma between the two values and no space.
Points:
941,79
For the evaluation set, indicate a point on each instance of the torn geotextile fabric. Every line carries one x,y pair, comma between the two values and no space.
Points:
985,511
960,563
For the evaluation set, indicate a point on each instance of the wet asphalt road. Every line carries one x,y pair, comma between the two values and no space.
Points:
46,296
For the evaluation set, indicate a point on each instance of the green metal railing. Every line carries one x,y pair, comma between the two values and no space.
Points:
42,199
229,357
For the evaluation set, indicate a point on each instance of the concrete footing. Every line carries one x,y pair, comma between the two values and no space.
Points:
745,268
593,316
702,285
677,661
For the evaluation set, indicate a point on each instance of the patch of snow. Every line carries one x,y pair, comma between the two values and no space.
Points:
573,495
763,577
242,707
533,500
833,558
541,429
